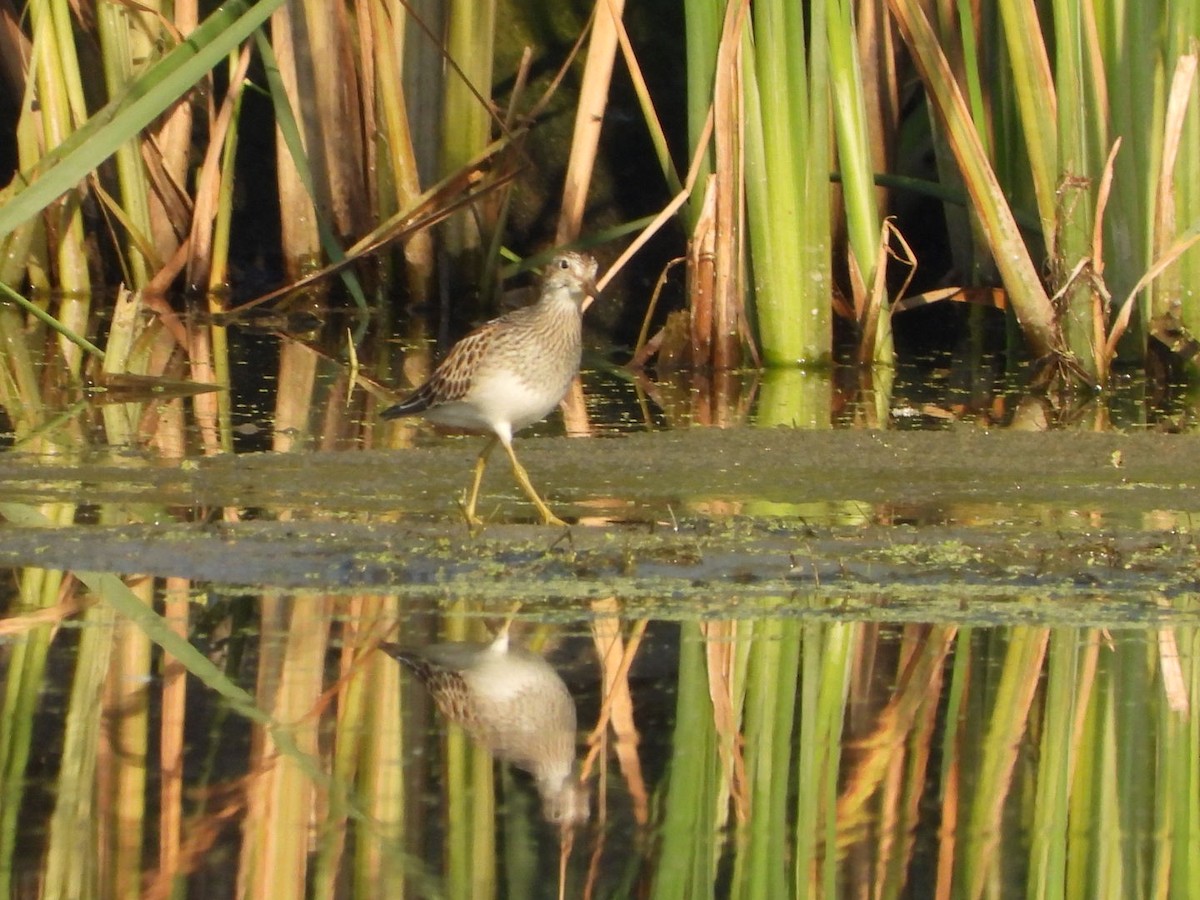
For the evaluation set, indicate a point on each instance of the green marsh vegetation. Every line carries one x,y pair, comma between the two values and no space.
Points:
1054,146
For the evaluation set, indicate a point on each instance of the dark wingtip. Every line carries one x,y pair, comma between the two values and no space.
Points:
401,654
396,651
412,406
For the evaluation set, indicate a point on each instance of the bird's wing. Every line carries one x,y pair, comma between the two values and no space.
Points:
451,380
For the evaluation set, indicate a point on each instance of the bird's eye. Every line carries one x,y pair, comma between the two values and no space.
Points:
564,264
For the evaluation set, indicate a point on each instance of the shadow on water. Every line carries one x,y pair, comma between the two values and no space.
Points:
771,661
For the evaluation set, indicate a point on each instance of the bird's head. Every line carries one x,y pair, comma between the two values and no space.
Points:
571,274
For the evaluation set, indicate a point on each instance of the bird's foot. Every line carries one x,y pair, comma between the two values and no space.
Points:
468,513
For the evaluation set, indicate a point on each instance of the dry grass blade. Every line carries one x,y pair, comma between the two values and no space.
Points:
720,650
658,135
208,187
589,117
667,212
1101,298
50,615
447,196
1019,680
729,122
1032,306
616,656
701,269
1103,192
126,387
642,350
172,718
1174,684
1170,256
1177,105
876,300
894,723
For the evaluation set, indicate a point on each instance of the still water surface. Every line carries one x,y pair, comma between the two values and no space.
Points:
803,662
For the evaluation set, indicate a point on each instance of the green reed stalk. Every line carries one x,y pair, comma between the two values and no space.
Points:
61,107
1132,681
519,837
1036,102
1181,778
127,702
349,737
689,851
456,778
23,684
1007,723
466,119
1049,835
1183,22
23,250
702,24
121,419
826,662
68,163
380,861
1109,876
69,873
1087,785
1135,96
1080,160
760,869
457,771
218,277
856,163
120,45
795,398
482,829
222,226
787,141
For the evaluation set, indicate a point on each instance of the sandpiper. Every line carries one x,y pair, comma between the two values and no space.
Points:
515,704
511,372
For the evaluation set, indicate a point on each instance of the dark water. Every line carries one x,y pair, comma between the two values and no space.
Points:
877,659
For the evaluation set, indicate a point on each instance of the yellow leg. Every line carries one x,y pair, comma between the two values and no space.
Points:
548,518
500,641
473,497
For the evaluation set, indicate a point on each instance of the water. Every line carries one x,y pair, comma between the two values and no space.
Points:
805,662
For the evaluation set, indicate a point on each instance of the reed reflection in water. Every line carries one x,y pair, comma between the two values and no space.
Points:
768,756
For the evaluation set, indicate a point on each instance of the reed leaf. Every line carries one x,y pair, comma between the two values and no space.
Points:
123,117
285,120
689,827
1030,302
1037,105
1048,851
855,159
1009,721
65,330
787,140
69,873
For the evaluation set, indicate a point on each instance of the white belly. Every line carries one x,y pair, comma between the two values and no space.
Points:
499,402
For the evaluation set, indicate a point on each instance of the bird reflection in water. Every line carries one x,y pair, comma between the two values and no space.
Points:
515,704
